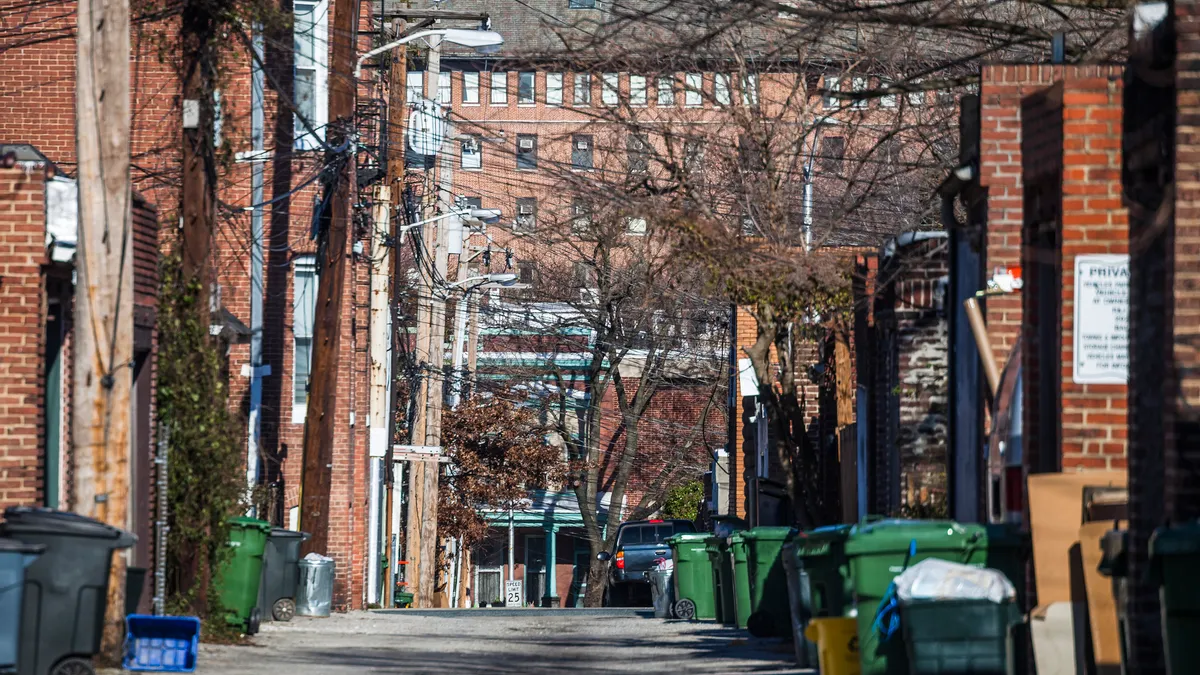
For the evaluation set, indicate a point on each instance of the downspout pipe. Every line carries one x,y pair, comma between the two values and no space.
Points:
254,421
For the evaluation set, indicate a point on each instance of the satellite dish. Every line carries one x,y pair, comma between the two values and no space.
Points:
427,128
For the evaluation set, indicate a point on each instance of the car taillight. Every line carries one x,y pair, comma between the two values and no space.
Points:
1014,493
654,521
620,560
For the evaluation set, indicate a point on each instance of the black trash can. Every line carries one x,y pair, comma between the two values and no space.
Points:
135,585
66,589
280,575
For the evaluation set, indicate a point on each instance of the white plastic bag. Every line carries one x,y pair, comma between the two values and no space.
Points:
944,580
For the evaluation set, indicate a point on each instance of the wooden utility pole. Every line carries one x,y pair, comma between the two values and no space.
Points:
381,262
397,93
103,352
327,334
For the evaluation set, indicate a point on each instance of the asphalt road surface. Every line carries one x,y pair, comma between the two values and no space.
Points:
477,641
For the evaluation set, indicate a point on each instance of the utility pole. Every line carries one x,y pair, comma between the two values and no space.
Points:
430,354
103,350
331,261
397,93
381,263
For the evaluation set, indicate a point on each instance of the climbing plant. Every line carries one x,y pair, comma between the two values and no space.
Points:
683,501
206,474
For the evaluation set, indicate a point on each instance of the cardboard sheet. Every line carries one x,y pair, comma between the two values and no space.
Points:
1056,514
1102,608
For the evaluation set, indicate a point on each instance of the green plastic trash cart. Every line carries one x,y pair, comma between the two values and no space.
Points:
1001,547
957,637
717,549
694,597
876,553
739,555
239,576
769,615
818,582
1175,557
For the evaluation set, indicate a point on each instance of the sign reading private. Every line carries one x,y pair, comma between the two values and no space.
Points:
1101,349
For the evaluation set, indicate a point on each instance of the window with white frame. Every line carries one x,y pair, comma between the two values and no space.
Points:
666,90
832,84
310,79
916,97
635,225
414,86
581,153
887,100
526,88
859,85
750,89
526,214
554,87
499,93
610,85
637,90
721,89
471,153
470,89
443,94
582,95
693,84
304,305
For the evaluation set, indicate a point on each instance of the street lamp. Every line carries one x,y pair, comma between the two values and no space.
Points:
483,41
460,324
499,279
473,217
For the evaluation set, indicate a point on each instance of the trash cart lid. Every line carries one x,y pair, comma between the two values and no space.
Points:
895,536
282,533
34,520
1182,539
250,523
15,546
821,540
770,533
688,537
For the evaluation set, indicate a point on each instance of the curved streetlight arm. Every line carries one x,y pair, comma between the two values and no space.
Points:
479,39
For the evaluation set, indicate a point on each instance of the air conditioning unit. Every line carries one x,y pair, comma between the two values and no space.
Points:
581,145
525,209
526,143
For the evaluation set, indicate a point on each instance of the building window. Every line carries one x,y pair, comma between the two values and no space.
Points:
581,216
666,90
637,149
637,90
693,86
554,86
414,86
581,4
310,88
916,97
833,149
526,152
443,92
721,88
526,88
693,157
471,153
750,89
582,95
584,275
832,84
859,85
581,153
610,84
527,274
887,100
526,213
470,89
635,225
499,94
304,305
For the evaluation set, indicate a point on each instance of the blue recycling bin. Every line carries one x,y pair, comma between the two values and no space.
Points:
14,558
164,644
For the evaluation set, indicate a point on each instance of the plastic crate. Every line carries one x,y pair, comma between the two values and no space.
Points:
166,644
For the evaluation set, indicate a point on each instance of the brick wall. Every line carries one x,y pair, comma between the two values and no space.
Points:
22,319
908,366
1071,162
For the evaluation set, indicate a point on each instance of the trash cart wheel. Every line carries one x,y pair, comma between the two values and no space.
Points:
685,609
284,609
253,623
73,665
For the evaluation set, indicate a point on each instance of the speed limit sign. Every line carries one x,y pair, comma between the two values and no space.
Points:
513,594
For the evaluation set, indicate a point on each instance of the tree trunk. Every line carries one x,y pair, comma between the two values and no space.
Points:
597,580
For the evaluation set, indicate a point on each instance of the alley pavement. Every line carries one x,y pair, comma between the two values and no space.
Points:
477,641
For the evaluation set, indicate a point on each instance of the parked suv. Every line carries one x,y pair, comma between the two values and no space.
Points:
639,544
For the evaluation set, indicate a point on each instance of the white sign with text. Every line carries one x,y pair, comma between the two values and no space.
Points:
1101,348
513,594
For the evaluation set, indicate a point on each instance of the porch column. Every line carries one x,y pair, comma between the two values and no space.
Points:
551,598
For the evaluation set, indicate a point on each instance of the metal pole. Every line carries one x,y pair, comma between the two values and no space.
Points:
254,432
161,527
512,540
381,261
